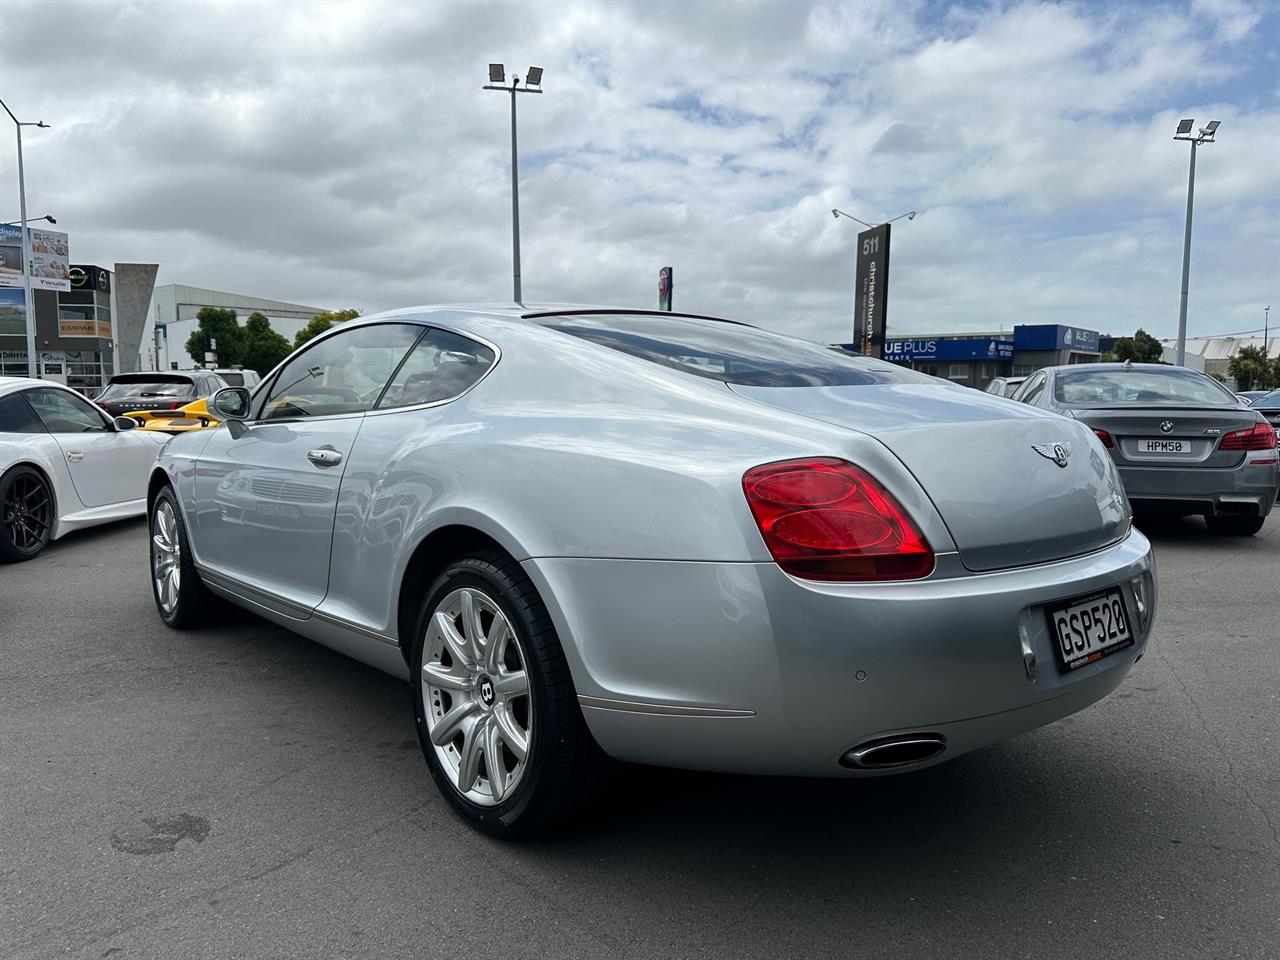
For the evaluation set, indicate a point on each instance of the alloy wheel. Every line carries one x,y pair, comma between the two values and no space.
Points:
27,513
475,690
166,557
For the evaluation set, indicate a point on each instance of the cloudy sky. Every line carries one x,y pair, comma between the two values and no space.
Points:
344,154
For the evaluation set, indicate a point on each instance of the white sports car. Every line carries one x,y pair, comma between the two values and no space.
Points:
64,464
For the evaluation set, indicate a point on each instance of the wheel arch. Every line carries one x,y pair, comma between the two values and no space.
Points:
158,479
433,553
48,482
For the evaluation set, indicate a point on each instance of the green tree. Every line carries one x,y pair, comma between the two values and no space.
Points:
263,347
321,322
1142,347
1251,369
220,324
1275,373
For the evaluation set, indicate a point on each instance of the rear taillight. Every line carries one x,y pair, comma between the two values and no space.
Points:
1105,438
175,405
825,519
1261,436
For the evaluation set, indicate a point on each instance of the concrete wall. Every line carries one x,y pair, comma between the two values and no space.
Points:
134,283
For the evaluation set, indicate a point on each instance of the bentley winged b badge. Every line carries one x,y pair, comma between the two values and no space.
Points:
1059,452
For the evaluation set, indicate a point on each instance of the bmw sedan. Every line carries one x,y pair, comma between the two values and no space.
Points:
678,540
1183,442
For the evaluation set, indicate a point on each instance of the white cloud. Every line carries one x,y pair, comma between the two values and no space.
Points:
344,153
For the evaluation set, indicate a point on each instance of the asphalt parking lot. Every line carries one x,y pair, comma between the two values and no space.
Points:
240,792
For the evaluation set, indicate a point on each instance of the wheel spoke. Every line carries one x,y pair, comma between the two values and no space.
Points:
458,646
447,727
472,751
446,678
514,683
512,735
471,627
499,631
493,762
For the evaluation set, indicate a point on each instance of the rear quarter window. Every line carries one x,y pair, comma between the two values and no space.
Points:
16,415
729,352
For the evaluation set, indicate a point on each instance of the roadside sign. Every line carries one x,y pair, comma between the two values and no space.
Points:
871,289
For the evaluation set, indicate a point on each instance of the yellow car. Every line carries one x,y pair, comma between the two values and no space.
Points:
194,416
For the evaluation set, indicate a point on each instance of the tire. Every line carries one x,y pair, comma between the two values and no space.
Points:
26,514
182,599
562,766
1234,526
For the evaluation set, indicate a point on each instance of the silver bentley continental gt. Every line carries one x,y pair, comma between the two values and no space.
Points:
667,539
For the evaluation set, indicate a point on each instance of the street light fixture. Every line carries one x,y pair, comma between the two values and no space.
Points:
1206,134
910,215
30,314
497,81
14,223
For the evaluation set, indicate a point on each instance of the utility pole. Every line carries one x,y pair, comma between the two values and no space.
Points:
1205,135
497,81
29,310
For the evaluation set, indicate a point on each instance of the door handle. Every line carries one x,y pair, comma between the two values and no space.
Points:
74,456
324,457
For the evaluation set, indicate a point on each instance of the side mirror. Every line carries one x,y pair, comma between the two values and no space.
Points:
125,423
230,403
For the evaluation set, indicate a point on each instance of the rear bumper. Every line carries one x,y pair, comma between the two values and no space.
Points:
1250,485
738,667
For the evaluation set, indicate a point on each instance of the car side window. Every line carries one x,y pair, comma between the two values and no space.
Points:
442,366
16,415
63,412
343,373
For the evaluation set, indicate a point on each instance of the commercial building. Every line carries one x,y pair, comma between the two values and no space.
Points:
974,360
74,330
1213,355
171,319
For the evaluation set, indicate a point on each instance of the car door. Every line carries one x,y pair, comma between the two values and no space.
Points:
265,496
107,466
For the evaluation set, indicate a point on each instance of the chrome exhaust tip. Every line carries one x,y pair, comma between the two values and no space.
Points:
904,750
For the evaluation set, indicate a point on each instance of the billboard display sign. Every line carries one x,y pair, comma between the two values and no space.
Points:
871,285
50,269
666,279
954,348
13,314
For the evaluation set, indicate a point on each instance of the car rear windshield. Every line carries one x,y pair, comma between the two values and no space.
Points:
233,379
1140,386
1271,399
729,352
148,385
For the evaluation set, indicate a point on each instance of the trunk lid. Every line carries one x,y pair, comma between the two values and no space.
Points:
1178,436
987,463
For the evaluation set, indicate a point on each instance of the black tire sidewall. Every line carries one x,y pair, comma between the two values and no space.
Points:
8,553
1234,526
510,817
190,589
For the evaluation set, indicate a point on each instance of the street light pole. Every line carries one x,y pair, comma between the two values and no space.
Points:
29,309
533,79
1205,135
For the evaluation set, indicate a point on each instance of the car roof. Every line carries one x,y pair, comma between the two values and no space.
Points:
12,384
1118,366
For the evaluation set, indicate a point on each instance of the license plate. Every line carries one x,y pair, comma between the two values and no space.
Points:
1164,446
1089,628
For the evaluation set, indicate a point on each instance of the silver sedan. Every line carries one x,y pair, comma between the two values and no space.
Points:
1183,443
590,533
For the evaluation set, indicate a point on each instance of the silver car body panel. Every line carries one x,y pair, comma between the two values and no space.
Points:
617,484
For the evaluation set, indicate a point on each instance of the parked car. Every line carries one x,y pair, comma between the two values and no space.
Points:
1005,386
1182,441
669,539
64,464
193,416
127,393
1248,396
239,377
